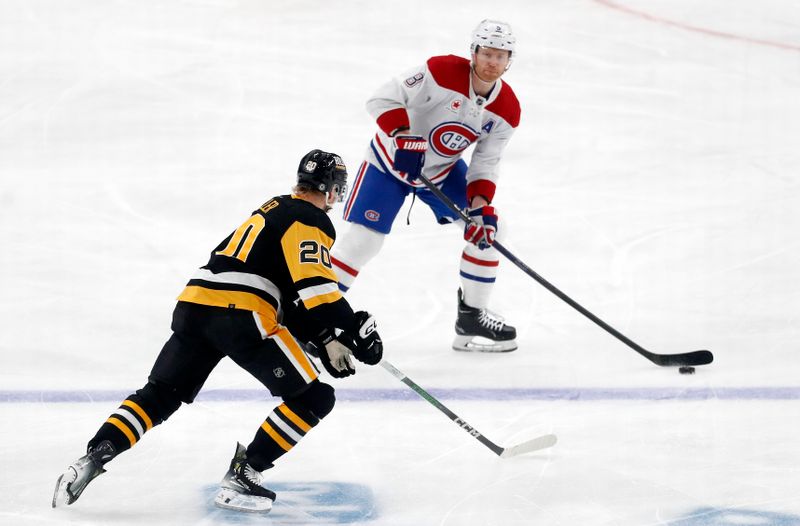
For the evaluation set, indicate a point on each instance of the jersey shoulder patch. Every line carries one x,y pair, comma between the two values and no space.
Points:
506,106
450,72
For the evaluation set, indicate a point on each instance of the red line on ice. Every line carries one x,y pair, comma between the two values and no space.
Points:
696,29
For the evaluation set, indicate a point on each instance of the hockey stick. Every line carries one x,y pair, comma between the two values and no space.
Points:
701,357
535,444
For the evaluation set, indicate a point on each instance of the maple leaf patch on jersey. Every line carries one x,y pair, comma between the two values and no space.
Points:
455,105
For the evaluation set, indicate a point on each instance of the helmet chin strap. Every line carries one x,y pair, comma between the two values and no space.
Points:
331,196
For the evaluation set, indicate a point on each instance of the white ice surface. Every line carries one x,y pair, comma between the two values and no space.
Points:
654,178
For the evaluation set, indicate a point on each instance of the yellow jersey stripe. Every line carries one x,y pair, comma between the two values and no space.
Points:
262,322
139,411
275,436
239,300
228,278
119,424
297,353
296,420
315,301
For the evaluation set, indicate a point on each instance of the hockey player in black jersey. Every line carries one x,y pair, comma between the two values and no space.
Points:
267,293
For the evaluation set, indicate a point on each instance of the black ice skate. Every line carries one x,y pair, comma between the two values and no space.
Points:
241,487
80,473
479,330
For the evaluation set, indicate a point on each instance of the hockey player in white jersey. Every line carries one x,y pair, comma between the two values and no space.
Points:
441,108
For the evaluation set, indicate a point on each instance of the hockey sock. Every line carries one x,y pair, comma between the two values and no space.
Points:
344,273
125,426
279,433
478,270
139,413
359,245
288,423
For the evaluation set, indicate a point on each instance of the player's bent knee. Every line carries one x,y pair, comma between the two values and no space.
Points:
158,399
318,400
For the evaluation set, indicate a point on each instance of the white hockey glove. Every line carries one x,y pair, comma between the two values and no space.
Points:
482,229
334,355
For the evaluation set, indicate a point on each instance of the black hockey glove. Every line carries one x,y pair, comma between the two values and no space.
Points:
334,355
367,343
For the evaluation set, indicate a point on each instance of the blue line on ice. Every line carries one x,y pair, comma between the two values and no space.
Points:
476,394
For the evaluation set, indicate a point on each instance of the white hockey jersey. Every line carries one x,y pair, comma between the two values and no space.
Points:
437,101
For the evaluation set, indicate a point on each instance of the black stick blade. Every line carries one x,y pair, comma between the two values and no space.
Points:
687,358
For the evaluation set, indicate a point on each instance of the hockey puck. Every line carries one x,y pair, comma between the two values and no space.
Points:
686,370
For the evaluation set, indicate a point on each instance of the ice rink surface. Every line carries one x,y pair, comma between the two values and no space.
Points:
653,178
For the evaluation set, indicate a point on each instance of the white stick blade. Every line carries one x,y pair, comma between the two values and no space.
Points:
542,442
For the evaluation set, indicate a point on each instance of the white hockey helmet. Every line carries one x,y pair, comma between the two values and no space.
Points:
493,34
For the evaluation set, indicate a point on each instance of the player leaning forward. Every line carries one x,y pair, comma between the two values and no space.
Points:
443,107
266,287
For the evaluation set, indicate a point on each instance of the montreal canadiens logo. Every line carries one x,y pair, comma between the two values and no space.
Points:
451,138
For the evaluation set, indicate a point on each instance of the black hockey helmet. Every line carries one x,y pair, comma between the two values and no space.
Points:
324,172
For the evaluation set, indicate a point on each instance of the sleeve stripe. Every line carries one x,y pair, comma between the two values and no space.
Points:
324,298
391,120
313,291
483,187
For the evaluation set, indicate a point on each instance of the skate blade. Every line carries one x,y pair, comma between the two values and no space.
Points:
57,493
481,344
61,494
233,500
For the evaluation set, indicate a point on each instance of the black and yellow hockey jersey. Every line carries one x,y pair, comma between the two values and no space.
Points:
281,253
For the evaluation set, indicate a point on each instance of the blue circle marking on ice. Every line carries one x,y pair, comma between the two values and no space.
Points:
304,503
735,517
